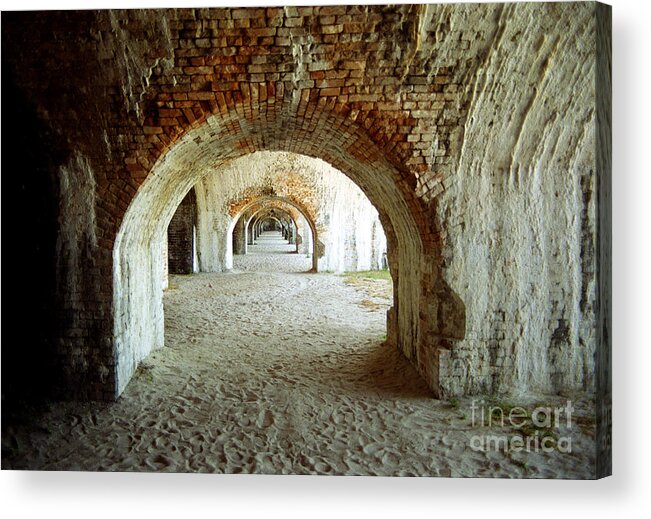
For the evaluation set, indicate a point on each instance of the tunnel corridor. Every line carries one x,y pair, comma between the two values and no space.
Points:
271,242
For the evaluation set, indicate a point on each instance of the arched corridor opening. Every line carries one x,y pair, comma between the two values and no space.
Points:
139,315
271,237
272,225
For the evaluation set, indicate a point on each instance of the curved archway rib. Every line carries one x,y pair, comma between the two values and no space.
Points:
137,289
248,219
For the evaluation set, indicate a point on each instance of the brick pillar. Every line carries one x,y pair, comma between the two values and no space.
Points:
180,236
239,246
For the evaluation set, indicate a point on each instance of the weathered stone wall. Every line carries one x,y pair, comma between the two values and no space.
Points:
350,235
239,237
470,128
603,259
304,236
520,213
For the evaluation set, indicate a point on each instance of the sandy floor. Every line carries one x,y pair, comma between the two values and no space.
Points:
279,373
272,253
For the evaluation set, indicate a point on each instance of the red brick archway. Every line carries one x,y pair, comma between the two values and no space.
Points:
309,129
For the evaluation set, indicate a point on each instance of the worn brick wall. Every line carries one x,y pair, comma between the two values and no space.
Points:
239,238
180,236
520,217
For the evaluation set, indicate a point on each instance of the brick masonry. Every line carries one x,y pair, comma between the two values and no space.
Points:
181,236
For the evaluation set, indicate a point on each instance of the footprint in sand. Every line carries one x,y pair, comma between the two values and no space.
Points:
373,449
322,467
265,419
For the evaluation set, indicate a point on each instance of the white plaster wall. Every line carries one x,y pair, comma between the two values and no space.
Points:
519,212
346,226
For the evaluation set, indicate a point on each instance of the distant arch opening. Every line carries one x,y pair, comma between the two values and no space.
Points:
254,212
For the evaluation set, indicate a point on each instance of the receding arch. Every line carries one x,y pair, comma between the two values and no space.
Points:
256,214
221,138
261,214
249,222
267,212
277,199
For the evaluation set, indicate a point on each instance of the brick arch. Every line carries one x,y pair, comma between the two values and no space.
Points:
266,217
266,214
181,156
276,202
258,214
280,120
288,205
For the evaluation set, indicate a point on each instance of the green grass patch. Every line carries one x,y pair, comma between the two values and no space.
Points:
369,274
